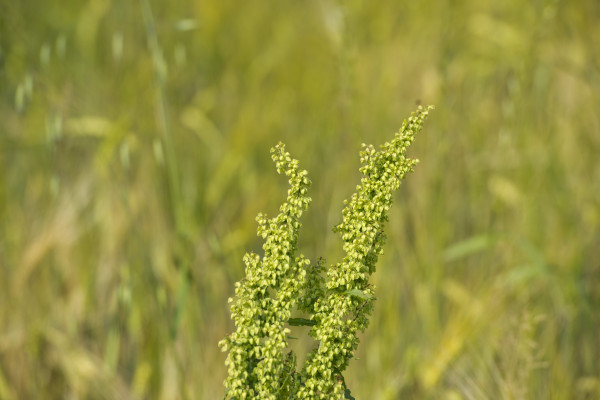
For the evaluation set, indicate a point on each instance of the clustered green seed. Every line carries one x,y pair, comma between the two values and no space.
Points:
268,294
282,282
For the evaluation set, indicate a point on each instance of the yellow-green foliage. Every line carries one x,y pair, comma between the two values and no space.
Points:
256,360
256,363
132,165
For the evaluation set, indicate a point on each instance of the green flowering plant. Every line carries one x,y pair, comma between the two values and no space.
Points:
339,300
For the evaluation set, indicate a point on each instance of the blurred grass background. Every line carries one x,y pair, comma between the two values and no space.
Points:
134,151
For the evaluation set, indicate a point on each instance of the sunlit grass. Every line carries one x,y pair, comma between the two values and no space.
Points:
114,284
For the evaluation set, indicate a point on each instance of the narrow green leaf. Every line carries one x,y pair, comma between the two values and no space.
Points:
469,246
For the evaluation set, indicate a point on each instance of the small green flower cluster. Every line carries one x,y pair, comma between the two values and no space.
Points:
344,311
268,294
282,282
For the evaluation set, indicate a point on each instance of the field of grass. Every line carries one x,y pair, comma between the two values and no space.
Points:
134,157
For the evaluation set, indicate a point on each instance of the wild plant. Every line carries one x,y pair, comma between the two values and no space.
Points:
337,301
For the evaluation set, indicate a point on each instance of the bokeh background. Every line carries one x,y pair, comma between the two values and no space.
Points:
134,151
